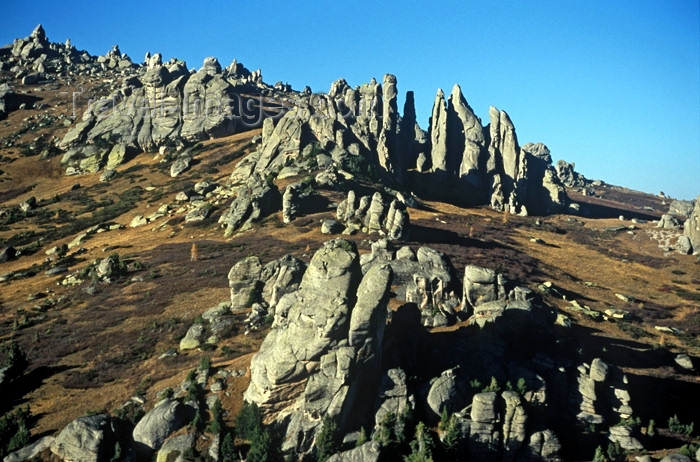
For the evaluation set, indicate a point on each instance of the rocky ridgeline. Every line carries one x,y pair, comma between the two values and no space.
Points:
164,105
458,157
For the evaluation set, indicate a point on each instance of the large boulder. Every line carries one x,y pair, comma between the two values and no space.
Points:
86,439
244,282
151,431
446,393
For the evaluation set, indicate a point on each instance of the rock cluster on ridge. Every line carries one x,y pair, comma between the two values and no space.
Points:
165,105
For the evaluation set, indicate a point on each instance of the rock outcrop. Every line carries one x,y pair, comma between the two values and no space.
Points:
691,228
255,199
324,346
568,176
374,216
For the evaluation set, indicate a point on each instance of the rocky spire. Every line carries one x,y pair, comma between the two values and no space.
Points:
438,134
506,158
407,134
465,138
386,146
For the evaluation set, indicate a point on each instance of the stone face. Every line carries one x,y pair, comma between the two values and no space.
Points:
87,439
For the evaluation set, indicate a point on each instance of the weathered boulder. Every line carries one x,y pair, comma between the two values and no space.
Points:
308,323
31,451
368,452
193,338
446,393
438,134
393,395
174,449
280,277
480,286
151,431
485,431
466,143
373,216
682,209
543,445
86,439
180,165
514,425
244,282
290,200
623,434
668,222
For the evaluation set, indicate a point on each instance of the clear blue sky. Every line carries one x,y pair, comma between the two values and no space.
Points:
613,86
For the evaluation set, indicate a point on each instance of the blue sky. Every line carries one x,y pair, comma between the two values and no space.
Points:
612,86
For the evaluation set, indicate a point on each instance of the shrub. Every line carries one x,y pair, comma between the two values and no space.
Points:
493,386
450,429
216,422
675,425
688,450
249,421
14,430
205,364
651,428
328,441
599,456
386,433
12,357
260,447
362,439
421,446
615,453
228,448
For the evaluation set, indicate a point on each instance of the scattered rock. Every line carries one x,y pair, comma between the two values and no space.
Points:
684,361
